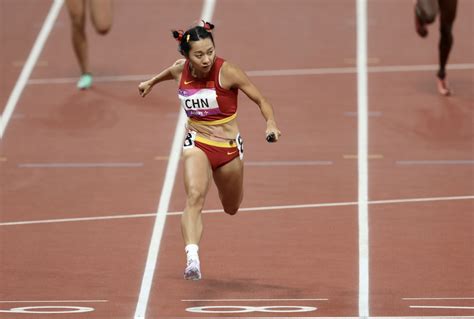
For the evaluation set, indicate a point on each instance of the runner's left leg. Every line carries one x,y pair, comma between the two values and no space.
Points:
229,181
447,16
101,15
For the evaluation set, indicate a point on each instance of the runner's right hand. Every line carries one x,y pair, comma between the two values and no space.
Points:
144,88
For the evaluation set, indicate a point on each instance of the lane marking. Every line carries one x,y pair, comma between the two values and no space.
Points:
49,301
354,156
362,160
171,170
247,309
160,218
286,163
29,65
269,163
373,60
408,317
79,165
417,68
247,163
373,114
40,63
248,209
441,307
269,73
437,162
438,298
77,219
225,300
49,310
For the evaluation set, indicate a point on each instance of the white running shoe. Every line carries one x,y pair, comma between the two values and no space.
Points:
193,270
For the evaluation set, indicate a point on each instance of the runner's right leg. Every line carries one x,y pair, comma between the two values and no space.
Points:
76,9
197,177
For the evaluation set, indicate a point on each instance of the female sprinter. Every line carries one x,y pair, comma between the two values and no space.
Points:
425,13
213,147
101,14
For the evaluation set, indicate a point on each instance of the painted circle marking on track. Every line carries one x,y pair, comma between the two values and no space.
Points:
287,309
51,309
246,309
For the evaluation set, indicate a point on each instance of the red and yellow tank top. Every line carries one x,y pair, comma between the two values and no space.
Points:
204,100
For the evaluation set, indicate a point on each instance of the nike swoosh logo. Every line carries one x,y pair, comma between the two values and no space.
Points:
188,82
230,153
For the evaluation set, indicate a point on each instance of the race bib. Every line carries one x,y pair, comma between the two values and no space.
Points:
199,102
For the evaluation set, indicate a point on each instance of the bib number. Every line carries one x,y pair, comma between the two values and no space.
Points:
189,140
240,146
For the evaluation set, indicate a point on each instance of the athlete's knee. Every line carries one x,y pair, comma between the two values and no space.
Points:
445,43
426,14
429,18
195,199
446,32
231,210
78,23
103,29
233,207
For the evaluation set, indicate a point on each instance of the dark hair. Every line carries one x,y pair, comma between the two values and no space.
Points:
194,34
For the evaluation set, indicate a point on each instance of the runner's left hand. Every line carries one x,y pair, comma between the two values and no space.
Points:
272,134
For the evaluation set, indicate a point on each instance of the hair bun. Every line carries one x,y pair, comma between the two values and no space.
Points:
207,25
178,35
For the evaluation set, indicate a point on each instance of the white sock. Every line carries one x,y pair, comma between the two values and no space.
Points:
192,251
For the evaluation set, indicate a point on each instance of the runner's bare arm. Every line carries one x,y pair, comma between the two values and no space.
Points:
171,73
234,77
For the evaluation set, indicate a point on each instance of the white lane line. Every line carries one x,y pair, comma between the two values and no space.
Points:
441,307
269,73
247,163
373,114
160,219
286,163
101,79
152,258
362,161
440,298
50,301
406,317
248,209
29,65
436,162
303,72
76,219
419,200
225,300
79,165
417,68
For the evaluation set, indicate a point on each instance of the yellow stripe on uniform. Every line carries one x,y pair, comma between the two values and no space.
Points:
216,122
228,144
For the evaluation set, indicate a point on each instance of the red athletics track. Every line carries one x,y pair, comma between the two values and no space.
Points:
417,249
420,250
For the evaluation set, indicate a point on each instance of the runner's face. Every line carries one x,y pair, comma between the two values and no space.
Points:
202,55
